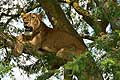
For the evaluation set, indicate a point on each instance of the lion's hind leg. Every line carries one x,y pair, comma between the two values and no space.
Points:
66,53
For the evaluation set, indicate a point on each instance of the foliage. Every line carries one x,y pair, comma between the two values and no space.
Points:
102,57
5,68
82,64
109,61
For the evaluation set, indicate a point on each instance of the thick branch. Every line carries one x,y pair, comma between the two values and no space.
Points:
7,40
90,19
57,16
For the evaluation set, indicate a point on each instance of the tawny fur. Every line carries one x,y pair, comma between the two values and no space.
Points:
62,43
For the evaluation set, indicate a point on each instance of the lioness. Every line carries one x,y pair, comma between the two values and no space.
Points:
41,37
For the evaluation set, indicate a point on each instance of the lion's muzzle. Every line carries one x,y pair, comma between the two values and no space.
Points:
28,31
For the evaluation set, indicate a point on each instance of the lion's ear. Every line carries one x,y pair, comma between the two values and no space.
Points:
22,14
40,16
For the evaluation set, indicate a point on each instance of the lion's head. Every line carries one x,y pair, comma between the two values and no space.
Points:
31,22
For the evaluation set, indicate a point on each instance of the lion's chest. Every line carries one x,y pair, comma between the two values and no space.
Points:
35,41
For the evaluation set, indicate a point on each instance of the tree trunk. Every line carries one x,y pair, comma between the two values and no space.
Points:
59,20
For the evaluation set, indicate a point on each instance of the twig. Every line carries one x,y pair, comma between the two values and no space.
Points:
84,36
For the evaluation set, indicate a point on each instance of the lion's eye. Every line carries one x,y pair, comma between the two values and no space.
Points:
24,17
33,17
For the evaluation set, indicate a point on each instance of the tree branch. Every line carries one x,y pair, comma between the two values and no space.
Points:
57,16
87,37
97,2
90,19
7,40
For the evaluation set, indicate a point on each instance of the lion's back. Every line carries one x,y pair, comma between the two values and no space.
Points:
59,39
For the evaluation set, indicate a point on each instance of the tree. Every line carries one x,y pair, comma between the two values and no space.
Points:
100,62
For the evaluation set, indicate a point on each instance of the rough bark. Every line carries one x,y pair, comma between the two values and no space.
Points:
59,20
98,26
